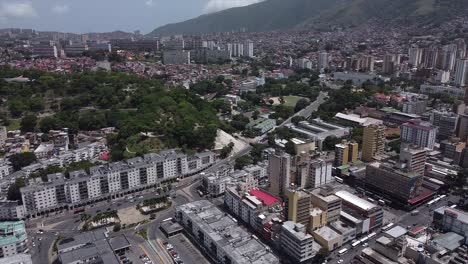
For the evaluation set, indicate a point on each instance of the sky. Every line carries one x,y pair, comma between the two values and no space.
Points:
81,16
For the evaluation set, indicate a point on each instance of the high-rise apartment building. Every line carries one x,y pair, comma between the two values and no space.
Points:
312,172
462,127
419,133
415,56
389,63
461,72
323,61
373,142
249,49
279,172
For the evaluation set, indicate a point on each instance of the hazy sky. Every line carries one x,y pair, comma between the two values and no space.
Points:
105,15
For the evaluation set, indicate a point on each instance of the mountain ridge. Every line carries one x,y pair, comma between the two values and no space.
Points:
281,14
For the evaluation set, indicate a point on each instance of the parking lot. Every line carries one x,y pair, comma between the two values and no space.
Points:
185,250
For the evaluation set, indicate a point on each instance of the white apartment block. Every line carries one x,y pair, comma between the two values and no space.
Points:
296,242
111,180
5,169
420,133
11,210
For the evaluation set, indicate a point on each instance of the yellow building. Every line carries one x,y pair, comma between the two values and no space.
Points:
373,142
318,218
299,207
346,152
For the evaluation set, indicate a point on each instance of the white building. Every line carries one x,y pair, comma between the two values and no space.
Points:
296,242
248,49
5,169
111,181
420,133
461,72
221,236
13,238
11,210
323,62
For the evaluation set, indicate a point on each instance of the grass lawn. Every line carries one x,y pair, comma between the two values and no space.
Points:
292,100
15,124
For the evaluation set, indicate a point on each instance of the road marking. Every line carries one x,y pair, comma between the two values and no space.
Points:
157,252
162,261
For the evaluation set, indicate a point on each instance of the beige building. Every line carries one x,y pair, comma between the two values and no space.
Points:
299,206
414,159
373,143
328,238
324,199
318,218
279,173
346,152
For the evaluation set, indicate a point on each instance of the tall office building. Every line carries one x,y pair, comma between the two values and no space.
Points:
461,72
346,152
248,49
420,133
373,143
414,158
279,173
323,62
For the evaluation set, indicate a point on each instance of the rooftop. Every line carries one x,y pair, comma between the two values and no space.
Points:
295,229
227,234
12,232
355,200
327,233
396,232
266,198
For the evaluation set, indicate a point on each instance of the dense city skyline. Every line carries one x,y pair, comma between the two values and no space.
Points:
92,16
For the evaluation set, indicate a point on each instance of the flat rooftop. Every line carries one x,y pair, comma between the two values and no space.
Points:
355,200
227,234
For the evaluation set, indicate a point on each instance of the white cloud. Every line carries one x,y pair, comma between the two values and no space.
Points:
17,9
60,9
218,5
149,2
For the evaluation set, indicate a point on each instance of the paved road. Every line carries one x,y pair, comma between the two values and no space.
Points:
307,112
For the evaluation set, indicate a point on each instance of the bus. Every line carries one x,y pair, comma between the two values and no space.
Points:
364,240
355,244
371,235
387,227
79,210
167,219
453,206
342,252
431,202
381,202
338,179
442,196
371,200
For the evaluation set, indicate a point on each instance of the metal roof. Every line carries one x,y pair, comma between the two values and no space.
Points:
355,200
